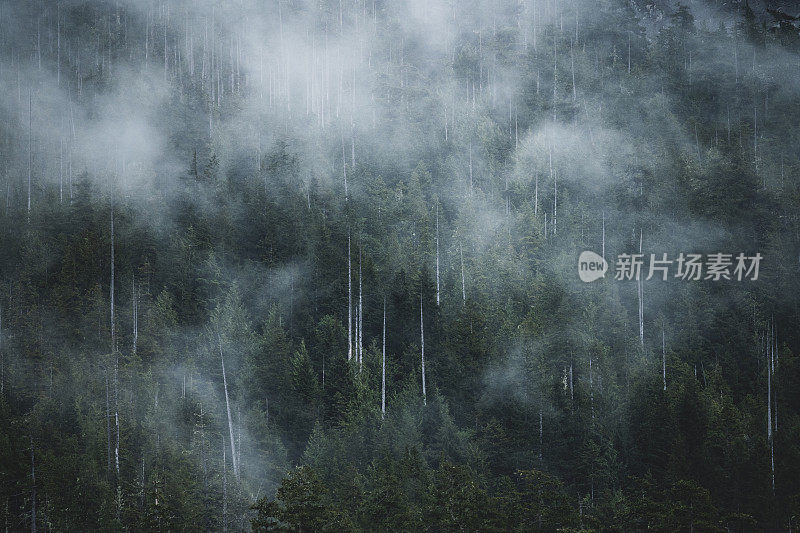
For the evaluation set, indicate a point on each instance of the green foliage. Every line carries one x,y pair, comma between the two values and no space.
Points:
545,410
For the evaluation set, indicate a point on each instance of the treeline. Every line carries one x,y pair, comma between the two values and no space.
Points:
316,292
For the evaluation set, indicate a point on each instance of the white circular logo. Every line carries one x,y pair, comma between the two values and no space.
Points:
591,266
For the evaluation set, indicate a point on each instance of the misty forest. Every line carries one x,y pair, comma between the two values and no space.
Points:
295,265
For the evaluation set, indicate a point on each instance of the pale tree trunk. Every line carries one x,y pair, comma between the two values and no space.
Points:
135,315
663,359
571,389
463,282
116,361
629,52
108,425
225,484
116,419
349,302
30,149
141,484
2,358
445,122
555,203
383,364
58,47
422,347
555,76
770,439
572,63
555,187
755,139
238,439
202,447
591,386
774,368
116,424
344,170
33,490
470,169
640,287
541,429
604,236
111,285
38,44
61,172
437,254
228,408
360,316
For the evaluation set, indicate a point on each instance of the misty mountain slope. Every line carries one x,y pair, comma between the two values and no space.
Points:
313,266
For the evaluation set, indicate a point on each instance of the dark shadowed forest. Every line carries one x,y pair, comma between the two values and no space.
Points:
313,265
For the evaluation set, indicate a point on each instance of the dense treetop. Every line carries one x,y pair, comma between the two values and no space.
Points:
225,228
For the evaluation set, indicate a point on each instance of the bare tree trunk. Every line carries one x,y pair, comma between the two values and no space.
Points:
116,360
640,287
437,254
755,139
604,236
463,282
165,49
555,203
228,408
116,423
225,483
203,445
572,63
629,52
111,285
2,358
445,122
135,314
422,346
30,149
239,438
541,429
555,76
344,169
349,302
108,426
663,360
360,316
61,172
571,389
141,484
555,190
33,490
383,364
591,386
774,368
58,54
470,169
769,411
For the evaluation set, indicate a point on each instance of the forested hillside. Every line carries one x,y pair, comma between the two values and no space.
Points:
294,265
